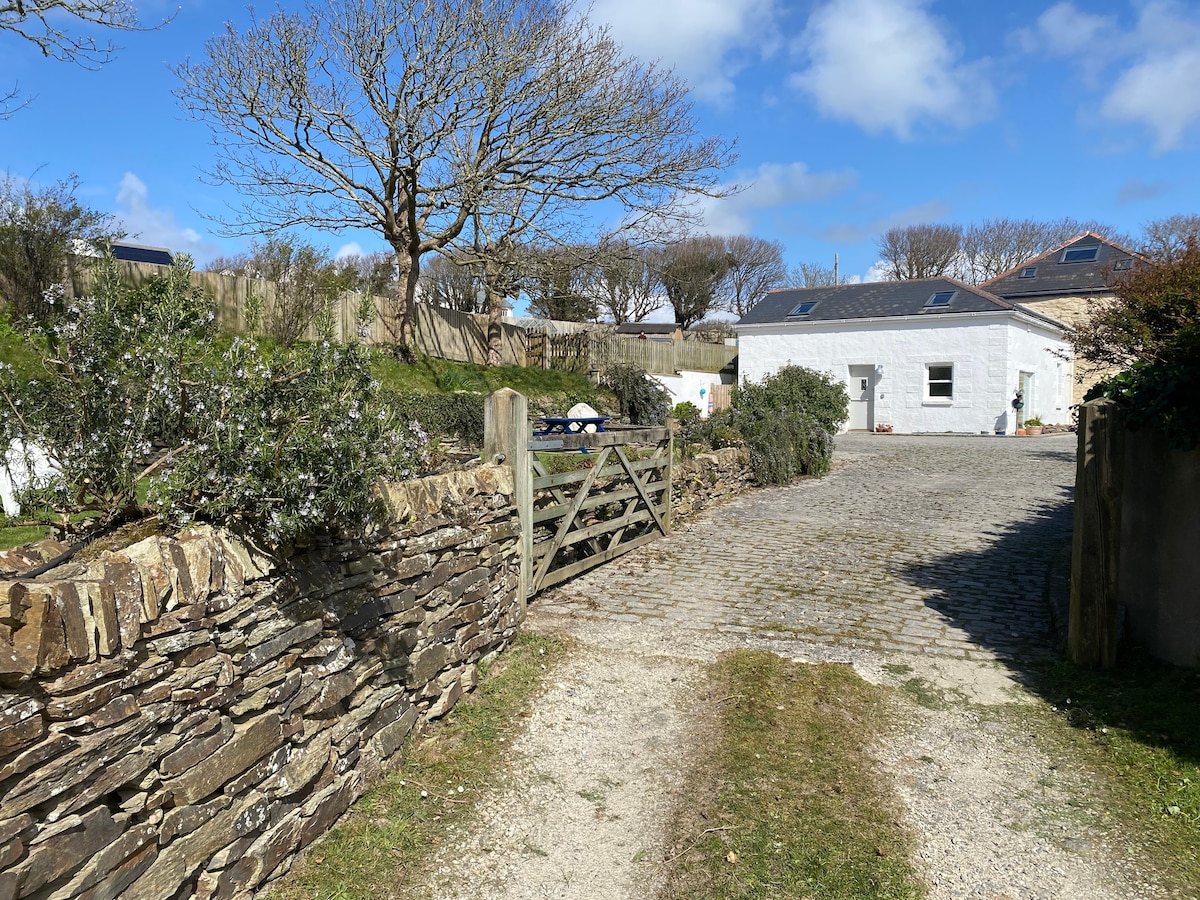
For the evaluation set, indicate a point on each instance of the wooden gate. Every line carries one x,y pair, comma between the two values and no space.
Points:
619,500
616,499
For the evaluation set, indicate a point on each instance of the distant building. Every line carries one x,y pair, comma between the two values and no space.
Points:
1068,284
933,355
141,253
654,331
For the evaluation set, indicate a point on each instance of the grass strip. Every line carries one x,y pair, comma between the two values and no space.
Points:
1138,727
379,847
789,803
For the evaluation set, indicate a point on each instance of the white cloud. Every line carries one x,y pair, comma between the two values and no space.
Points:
888,65
1156,62
707,42
1160,93
1066,30
351,249
156,226
769,186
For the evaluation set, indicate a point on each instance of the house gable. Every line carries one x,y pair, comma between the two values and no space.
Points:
1077,267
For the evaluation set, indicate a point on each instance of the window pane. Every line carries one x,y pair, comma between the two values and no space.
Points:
941,389
940,373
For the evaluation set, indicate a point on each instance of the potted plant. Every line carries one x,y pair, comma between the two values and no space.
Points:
1033,427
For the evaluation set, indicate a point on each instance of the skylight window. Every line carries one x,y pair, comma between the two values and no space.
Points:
1081,254
1029,271
941,298
803,309
1123,265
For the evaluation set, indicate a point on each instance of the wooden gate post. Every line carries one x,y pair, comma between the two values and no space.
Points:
1095,549
506,441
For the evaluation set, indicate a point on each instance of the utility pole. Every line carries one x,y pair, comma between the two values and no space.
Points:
836,280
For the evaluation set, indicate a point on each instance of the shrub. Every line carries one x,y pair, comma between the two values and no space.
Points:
457,416
788,421
816,394
279,441
120,367
643,400
288,443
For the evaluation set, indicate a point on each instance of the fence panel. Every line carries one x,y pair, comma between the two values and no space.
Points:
586,352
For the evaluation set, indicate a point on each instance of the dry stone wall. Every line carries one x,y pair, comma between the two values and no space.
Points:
179,718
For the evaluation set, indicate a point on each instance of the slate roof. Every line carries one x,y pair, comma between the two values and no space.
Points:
1054,277
878,299
143,253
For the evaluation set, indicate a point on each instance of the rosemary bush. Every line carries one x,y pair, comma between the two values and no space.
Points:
278,441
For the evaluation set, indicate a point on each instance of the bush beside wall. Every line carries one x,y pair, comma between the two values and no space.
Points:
185,715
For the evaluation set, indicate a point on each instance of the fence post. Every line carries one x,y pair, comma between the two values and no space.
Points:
506,440
1095,549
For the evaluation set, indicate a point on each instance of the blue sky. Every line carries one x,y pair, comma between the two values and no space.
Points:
851,116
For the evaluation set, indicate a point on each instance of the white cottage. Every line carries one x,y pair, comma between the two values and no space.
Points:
932,355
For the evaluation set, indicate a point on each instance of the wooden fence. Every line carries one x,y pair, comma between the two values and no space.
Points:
589,351
438,332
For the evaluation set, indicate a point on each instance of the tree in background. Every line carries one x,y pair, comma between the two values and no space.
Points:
42,232
409,117
808,275
1152,330
920,251
452,281
1169,237
691,272
624,285
556,280
755,266
370,274
305,281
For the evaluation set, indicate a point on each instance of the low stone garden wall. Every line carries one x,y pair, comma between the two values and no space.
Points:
708,479
179,718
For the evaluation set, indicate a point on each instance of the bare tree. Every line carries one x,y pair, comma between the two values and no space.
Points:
409,116
691,272
625,285
806,275
920,251
452,281
755,267
64,30
1167,238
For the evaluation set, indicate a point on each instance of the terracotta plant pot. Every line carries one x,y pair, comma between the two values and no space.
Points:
1033,430
1020,432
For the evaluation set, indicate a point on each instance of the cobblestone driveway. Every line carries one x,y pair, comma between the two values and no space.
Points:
936,545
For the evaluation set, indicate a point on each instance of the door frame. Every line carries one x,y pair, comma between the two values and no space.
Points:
859,371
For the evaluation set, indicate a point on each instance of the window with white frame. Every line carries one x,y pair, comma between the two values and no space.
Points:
939,382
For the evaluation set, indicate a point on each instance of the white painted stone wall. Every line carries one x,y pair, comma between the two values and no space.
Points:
687,386
987,351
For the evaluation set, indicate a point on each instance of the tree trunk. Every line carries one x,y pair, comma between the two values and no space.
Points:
404,308
495,333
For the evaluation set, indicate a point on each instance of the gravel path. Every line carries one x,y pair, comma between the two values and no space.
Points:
917,557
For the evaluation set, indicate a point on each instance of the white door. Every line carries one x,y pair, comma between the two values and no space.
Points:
862,398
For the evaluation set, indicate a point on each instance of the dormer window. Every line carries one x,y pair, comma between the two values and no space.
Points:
1081,254
802,309
1123,265
1028,272
940,299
